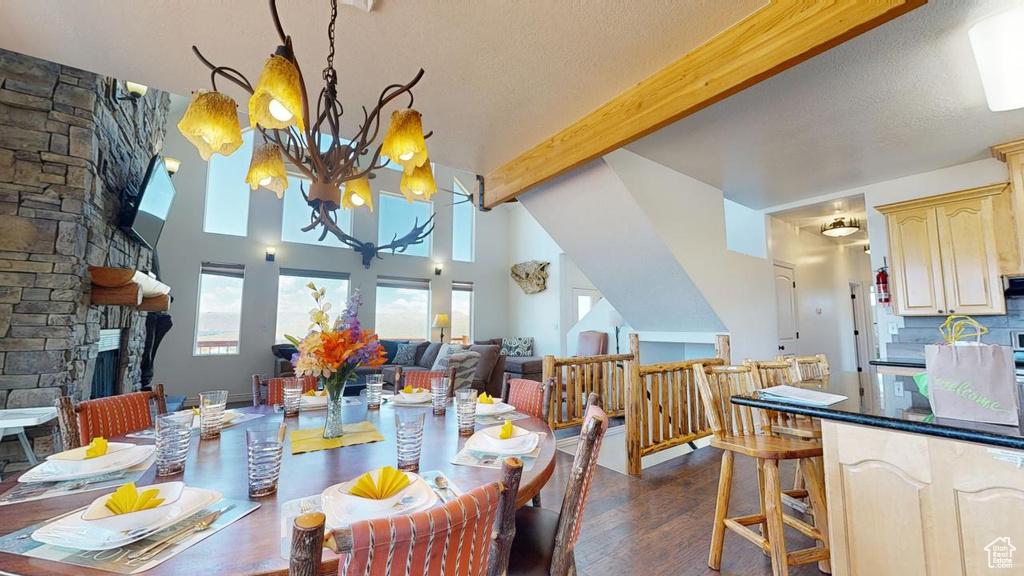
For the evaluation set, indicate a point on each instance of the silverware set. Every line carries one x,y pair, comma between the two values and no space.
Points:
153,550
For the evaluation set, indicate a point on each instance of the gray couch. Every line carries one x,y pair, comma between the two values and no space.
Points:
489,371
528,367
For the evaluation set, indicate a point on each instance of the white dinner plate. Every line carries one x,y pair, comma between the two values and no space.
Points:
482,442
492,409
342,509
313,402
77,455
99,515
408,399
72,531
226,419
60,470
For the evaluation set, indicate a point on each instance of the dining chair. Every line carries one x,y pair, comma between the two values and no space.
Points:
808,367
468,536
736,430
529,397
107,417
545,539
421,379
275,389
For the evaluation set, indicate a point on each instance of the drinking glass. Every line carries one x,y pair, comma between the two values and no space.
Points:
211,413
439,394
292,391
409,430
465,406
266,444
374,388
173,435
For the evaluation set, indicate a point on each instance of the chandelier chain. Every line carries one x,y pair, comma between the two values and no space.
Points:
330,76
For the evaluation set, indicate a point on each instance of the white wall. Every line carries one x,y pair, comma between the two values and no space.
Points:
184,246
538,315
824,270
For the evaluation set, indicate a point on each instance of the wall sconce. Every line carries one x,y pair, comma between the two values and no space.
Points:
134,91
172,165
271,252
867,248
438,268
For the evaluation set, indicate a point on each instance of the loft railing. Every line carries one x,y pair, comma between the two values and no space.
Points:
574,379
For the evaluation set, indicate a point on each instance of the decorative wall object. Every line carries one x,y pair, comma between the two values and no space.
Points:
530,276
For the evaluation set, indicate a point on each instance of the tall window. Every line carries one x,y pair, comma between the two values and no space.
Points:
294,301
397,217
403,309
462,312
219,314
227,194
463,213
295,215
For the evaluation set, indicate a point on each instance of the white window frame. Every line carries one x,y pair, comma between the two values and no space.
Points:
218,269
465,287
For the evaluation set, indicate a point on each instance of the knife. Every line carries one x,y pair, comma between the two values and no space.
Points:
207,520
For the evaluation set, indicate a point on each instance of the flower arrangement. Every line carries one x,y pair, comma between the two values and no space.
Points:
333,352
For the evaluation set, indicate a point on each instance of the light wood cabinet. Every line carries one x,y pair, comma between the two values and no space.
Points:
902,503
947,252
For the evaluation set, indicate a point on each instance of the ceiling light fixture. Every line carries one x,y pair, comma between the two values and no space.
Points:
999,51
266,170
280,109
841,227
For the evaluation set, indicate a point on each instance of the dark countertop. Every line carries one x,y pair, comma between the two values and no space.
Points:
889,415
899,362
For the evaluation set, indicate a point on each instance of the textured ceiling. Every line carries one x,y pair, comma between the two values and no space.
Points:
901,99
500,76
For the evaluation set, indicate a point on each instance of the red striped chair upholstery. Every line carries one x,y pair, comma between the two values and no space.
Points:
275,389
420,379
528,396
107,417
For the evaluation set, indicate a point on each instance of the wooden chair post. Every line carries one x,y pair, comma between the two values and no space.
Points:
307,545
546,409
555,394
723,349
68,423
635,397
451,382
504,530
504,387
257,395
398,379
160,399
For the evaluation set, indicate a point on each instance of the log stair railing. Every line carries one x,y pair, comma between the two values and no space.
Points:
574,379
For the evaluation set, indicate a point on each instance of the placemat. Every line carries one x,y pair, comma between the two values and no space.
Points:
499,419
116,560
481,459
150,434
312,439
26,491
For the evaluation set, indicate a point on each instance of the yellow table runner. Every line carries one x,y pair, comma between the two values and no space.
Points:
312,439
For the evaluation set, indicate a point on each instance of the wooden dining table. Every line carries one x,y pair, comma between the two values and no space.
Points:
252,545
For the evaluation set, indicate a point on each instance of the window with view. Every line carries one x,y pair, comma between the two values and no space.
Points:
462,312
227,194
294,300
295,215
403,308
219,314
463,213
397,218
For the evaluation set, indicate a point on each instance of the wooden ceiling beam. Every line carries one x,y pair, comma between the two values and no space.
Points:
772,39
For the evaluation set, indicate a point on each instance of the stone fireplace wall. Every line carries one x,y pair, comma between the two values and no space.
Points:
68,149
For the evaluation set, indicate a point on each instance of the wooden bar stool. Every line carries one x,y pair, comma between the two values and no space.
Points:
736,431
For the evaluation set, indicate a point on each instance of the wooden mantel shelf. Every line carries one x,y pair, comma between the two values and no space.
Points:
128,287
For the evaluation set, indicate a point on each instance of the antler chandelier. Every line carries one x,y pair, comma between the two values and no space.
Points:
279,109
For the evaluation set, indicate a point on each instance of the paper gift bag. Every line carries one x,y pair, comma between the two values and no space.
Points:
976,383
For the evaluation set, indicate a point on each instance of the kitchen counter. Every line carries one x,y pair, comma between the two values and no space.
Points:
899,362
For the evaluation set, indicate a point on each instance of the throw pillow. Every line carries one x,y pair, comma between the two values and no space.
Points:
444,352
465,364
390,349
517,346
428,353
406,355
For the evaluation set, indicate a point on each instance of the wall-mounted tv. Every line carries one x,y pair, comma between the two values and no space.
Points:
144,213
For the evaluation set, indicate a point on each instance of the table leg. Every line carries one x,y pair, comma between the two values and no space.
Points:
27,447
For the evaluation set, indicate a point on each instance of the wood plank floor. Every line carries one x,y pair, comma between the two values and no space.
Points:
661,524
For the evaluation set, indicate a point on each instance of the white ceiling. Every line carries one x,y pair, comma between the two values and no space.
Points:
901,99
812,216
500,76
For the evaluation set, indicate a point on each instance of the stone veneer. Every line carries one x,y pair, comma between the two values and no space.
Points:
68,149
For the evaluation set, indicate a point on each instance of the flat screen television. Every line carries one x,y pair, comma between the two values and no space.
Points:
143,213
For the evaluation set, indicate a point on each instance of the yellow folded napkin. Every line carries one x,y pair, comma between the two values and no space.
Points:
316,393
389,482
410,390
98,447
506,430
485,398
127,499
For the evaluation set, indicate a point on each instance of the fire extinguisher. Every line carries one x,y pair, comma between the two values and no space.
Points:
882,286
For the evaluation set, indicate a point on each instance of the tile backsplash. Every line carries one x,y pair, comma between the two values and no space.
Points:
919,331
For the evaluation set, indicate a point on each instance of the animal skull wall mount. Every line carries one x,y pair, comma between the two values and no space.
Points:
530,276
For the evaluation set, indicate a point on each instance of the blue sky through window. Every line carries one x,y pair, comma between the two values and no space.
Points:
462,225
227,194
295,214
402,313
397,216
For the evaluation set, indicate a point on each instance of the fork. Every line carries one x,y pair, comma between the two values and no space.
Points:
306,505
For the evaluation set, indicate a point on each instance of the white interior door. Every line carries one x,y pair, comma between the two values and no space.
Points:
785,305
583,299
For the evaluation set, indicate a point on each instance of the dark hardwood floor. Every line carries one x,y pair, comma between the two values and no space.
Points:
661,524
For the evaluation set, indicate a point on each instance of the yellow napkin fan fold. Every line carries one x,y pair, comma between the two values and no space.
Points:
389,482
506,430
410,390
485,398
316,393
127,499
98,447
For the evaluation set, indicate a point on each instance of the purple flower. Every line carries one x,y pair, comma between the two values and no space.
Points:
295,359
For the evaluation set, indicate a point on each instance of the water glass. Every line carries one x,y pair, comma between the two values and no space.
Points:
409,431
211,413
173,435
439,394
374,388
266,444
292,391
465,406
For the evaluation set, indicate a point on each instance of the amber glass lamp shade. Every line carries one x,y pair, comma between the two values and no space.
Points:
419,185
211,124
404,141
276,100
357,194
266,170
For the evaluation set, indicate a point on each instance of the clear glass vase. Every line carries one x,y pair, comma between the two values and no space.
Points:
334,427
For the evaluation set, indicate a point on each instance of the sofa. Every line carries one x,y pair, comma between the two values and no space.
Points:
526,367
489,372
